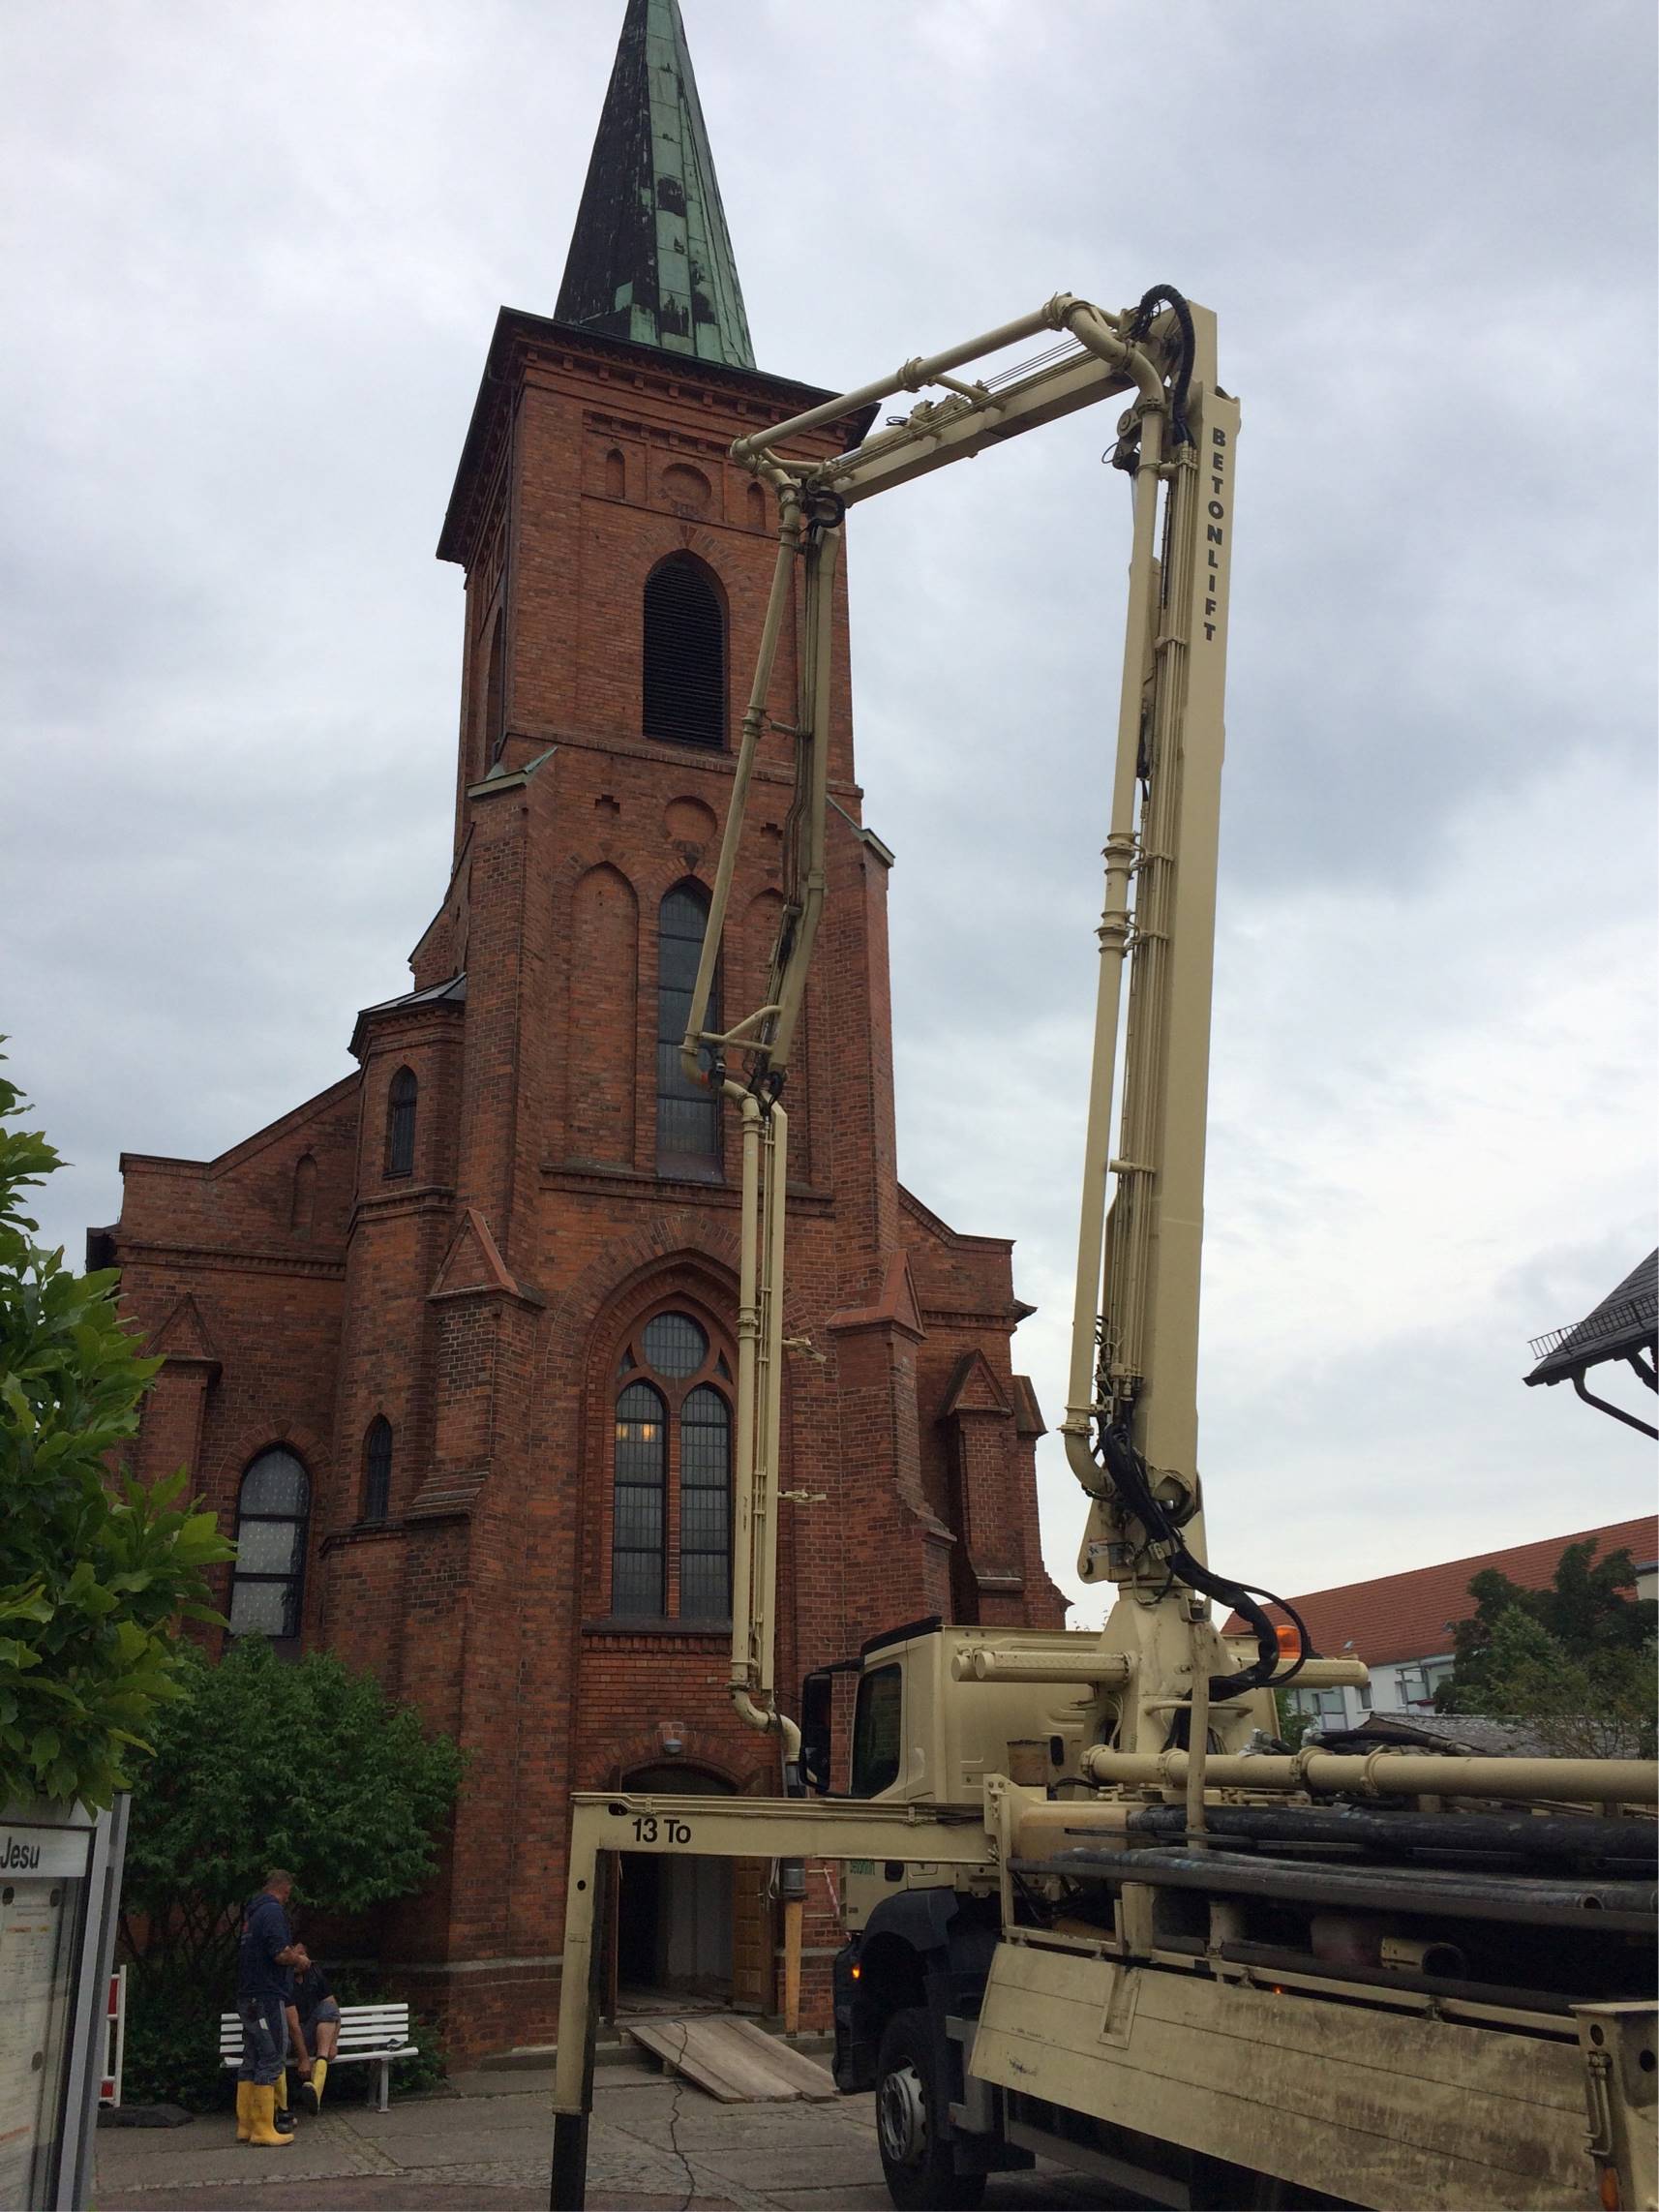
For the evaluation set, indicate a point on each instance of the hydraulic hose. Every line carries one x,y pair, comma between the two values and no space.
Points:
1128,1471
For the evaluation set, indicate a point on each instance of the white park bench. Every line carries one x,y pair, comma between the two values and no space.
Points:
370,2035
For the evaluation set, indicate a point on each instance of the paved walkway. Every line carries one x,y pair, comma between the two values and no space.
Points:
655,2144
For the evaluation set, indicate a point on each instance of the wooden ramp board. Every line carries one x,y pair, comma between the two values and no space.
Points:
732,2058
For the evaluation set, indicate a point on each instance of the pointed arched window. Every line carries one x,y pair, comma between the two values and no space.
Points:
670,1544
685,669
705,1507
636,1529
687,1114
377,1470
401,1123
495,690
273,1512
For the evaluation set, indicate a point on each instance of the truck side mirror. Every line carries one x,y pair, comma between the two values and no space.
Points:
817,1729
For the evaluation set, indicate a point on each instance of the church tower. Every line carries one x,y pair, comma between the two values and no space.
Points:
452,1347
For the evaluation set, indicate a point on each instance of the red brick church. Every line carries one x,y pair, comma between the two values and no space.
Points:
449,1348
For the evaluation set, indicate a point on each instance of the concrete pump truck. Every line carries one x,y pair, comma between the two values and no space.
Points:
1095,1911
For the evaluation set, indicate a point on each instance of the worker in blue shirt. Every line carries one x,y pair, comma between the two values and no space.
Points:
263,1959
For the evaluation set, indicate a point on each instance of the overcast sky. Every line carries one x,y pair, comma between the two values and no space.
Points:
254,252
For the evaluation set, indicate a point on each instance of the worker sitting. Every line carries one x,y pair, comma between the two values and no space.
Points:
314,2031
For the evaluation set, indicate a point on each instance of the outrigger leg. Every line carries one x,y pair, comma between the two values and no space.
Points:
582,1976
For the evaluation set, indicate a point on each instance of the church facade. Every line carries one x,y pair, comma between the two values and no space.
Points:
450,1347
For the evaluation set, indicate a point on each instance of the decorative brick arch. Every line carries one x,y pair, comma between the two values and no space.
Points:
245,1444
687,1279
679,1236
627,1754
674,1253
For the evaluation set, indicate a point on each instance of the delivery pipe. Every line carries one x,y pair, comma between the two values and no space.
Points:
1614,1908
910,377
1391,1773
1632,1845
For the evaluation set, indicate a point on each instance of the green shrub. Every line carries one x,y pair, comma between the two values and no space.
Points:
263,1764
98,1570
411,2077
173,2048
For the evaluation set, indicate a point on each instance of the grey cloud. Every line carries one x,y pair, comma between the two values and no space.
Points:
259,251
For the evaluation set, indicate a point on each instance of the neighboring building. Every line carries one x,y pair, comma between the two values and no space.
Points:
450,1347
1402,1624
1623,1327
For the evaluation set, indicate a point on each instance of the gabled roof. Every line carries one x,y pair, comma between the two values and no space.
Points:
651,257
1410,1616
452,991
972,1388
1622,1324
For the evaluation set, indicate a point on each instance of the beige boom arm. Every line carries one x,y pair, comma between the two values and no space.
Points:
1142,1274
1100,355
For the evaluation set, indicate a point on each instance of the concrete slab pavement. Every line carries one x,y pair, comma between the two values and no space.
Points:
655,2144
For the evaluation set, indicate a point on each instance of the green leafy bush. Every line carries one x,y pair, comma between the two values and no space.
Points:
173,2048
97,1569
264,1763
411,2077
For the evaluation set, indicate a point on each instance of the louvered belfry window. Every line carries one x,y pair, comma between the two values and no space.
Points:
672,1485
684,654
687,1116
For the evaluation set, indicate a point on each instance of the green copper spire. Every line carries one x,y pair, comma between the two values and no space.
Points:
650,258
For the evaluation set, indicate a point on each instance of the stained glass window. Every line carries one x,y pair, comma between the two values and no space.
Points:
705,1507
637,1535
674,1345
673,1476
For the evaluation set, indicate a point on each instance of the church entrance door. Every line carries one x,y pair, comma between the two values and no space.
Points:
675,1918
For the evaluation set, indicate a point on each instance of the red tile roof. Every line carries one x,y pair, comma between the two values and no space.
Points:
1406,1615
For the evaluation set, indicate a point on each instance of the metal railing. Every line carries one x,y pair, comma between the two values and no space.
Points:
1602,1328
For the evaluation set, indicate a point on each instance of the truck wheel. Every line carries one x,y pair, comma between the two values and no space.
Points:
920,2173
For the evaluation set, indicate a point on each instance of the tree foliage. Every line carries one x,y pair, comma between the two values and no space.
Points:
263,1764
94,1568
1575,1660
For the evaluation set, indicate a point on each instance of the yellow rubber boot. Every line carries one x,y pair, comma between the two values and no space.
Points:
285,2110
262,2113
244,2118
311,2092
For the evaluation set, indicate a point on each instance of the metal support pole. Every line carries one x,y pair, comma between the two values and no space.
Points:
582,1973
1198,1740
